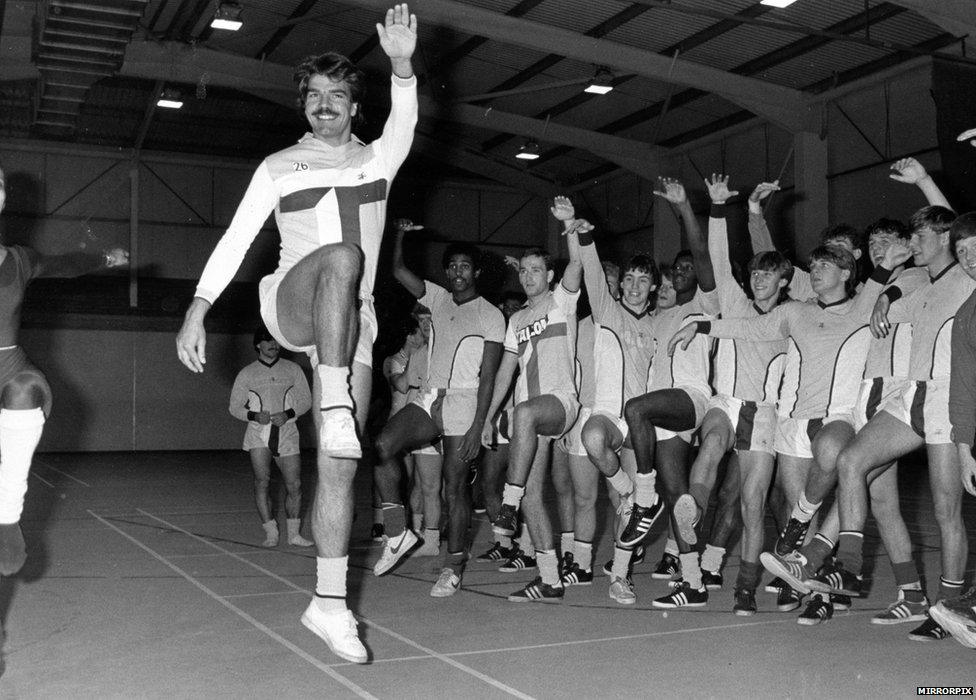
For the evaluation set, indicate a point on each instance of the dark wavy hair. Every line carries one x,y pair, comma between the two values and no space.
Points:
962,228
937,218
840,257
643,263
335,67
774,261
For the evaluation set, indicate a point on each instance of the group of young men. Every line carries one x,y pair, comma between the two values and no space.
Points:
825,390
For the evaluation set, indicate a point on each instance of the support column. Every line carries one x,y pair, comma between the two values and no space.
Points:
812,212
134,233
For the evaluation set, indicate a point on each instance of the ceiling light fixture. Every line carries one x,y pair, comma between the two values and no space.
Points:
528,151
228,17
170,98
777,3
601,84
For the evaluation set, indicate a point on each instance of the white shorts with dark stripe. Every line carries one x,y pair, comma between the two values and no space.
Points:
794,436
754,424
874,393
924,407
700,401
368,326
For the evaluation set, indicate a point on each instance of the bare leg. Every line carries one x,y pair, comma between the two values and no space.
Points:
291,470
562,481
946,484
458,496
261,466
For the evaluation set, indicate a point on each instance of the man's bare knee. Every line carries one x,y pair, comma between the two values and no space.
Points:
25,390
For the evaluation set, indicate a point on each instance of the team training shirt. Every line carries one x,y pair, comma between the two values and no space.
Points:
458,335
686,369
747,370
586,377
18,268
827,348
320,194
271,387
543,337
962,385
931,310
889,357
624,341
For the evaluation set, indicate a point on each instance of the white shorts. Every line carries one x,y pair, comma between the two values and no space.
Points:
368,327
700,401
924,407
754,424
874,393
258,435
452,411
794,436
572,442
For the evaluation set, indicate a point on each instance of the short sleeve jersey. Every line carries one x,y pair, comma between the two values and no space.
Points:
18,268
889,357
320,195
457,338
543,337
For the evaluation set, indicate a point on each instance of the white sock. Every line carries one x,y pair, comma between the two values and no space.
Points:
548,567
621,562
583,554
512,495
335,387
645,494
566,542
20,431
525,540
671,547
330,583
621,483
804,510
711,559
690,570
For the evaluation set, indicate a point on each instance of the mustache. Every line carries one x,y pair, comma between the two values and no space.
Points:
325,111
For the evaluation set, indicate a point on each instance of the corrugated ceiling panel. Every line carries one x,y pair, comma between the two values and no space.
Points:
574,15
821,63
735,47
659,29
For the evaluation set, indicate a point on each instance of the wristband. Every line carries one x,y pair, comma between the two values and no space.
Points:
251,415
703,327
881,275
893,293
290,413
585,238
719,210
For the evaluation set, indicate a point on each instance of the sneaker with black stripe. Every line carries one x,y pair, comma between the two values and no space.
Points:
840,602
538,592
928,631
775,585
902,610
566,562
817,612
575,576
788,600
668,568
961,624
518,561
496,553
791,567
638,527
745,602
506,522
683,596
834,578
792,536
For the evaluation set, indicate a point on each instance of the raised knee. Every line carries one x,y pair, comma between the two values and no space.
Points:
25,390
846,462
341,260
633,411
592,439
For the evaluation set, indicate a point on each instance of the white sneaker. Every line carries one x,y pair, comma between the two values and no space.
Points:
338,630
394,550
622,591
337,435
447,584
270,534
299,541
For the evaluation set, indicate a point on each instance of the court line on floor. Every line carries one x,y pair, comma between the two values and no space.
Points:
322,666
369,623
62,473
42,479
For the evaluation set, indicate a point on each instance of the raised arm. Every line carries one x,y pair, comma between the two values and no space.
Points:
673,191
911,172
718,234
398,39
414,284
563,210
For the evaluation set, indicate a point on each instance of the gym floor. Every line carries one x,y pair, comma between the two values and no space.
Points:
145,578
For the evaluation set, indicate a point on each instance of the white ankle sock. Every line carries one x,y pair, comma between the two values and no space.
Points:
330,583
335,387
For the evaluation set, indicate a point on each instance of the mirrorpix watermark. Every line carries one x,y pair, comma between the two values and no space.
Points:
944,690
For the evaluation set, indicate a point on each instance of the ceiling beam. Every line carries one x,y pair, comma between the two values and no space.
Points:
780,105
179,63
957,17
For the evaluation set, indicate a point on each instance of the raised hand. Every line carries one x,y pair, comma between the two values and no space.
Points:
908,170
671,189
970,135
404,225
763,190
562,209
579,226
683,337
512,262
897,254
398,35
718,188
